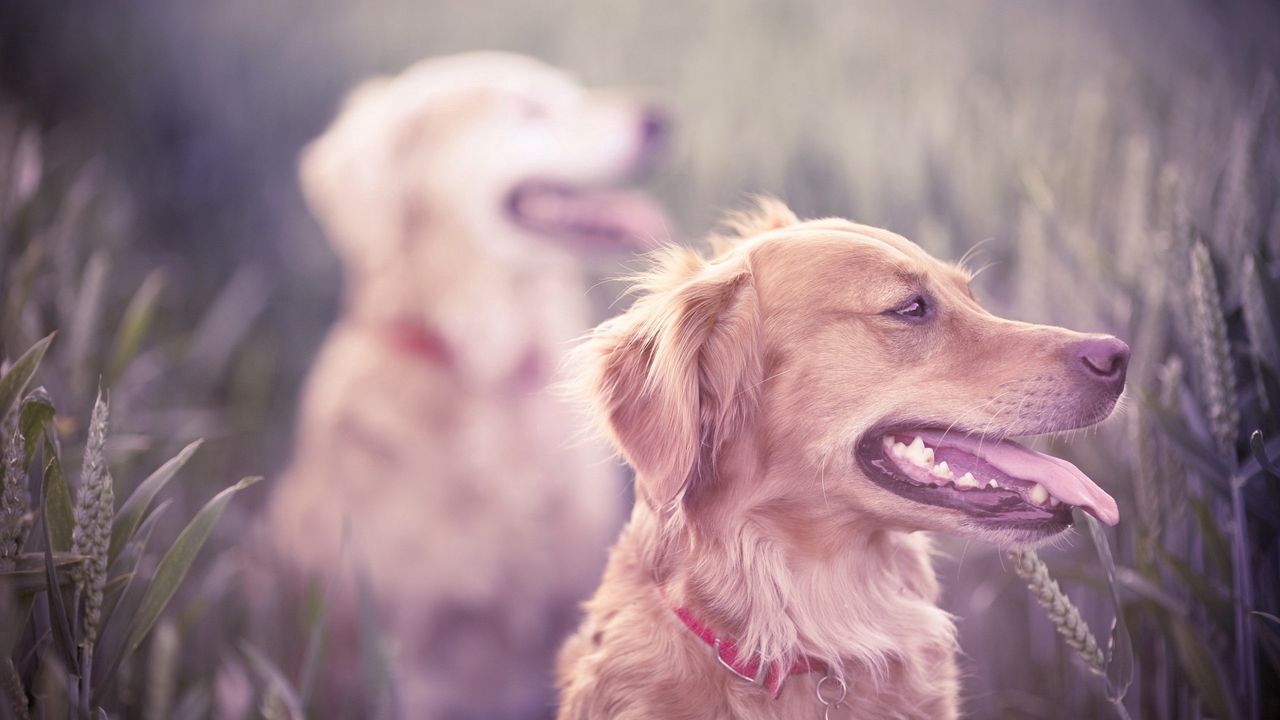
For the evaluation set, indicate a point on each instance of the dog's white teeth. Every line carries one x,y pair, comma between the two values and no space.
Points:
919,455
899,450
1054,502
1038,495
941,470
992,483
967,480
917,448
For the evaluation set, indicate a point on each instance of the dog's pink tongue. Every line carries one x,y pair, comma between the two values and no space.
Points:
600,218
1063,480
633,215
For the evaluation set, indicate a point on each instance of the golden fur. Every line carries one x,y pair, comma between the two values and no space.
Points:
475,519
737,386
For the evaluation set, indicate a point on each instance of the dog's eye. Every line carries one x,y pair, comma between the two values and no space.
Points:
914,309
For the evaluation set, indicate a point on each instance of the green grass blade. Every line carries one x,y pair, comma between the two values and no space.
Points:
114,632
222,329
127,564
319,620
1260,296
1259,325
22,279
36,413
59,513
1201,668
1268,635
375,655
28,577
15,609
1216,602
57,609
135,324
194,704
1217,547
175,563
1252,469
1120,654
1259,449
134,510
274,677
81,351
116,584
53,689
133,549
13,382
1192,449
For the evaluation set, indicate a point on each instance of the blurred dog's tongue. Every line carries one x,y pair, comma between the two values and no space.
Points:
597,217
1063,480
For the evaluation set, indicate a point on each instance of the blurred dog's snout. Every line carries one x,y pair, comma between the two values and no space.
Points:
1104,360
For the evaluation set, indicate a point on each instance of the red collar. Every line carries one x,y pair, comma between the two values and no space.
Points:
431,347
748,667
421,342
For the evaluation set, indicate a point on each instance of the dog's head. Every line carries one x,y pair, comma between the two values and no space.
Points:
833,373
491,148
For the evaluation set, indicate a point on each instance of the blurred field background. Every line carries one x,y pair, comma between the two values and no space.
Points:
148,149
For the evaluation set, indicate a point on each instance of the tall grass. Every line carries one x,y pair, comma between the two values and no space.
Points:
1200,585
82,584
1121,161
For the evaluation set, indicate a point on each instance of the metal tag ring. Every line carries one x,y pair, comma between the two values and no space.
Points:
844,690
759,680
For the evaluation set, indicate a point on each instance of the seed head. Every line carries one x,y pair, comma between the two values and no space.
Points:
95,506
1209,331
14,500
1062,612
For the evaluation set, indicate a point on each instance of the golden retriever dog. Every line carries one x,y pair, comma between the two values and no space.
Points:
463,197
797,409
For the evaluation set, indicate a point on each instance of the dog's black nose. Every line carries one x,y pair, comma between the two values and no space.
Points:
654,127
1104,360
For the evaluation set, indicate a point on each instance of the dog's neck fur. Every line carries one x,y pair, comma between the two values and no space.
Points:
492,311
757,573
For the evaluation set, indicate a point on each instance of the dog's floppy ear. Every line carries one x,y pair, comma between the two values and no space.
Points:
676,376
348,183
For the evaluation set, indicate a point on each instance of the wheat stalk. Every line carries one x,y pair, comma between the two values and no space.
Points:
1233,220
1061,611
272,706
1146,493
1134,243
1034,292
13,690
1173,488
162,667
14,500
1258,324
94,509
1209,333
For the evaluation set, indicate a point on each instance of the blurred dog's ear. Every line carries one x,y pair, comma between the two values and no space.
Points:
676,377
348,181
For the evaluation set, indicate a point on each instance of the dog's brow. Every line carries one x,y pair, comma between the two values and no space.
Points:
913,278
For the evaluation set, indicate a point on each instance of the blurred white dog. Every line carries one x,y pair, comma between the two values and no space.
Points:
462,196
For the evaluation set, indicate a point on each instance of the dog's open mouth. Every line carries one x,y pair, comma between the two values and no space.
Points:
590,217
998,482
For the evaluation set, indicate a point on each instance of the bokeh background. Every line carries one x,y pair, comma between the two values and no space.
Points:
149,148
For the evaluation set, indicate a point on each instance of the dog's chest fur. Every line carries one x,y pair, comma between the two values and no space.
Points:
633,658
